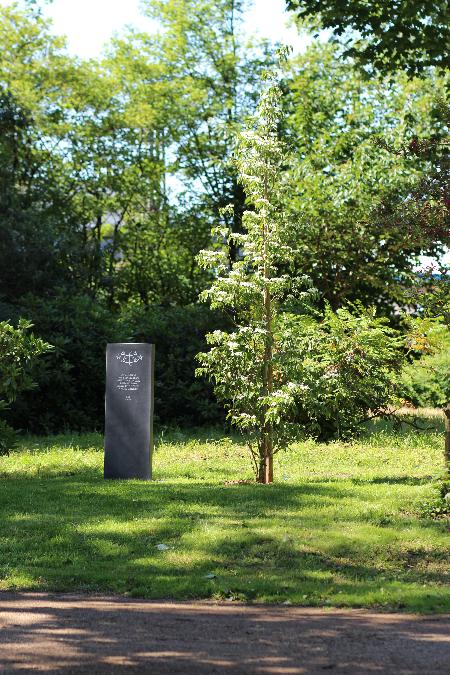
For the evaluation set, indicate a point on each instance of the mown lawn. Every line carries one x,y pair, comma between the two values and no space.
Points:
340,527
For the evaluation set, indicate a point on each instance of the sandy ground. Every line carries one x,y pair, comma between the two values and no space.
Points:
65,633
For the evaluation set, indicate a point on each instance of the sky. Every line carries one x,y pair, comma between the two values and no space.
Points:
88,24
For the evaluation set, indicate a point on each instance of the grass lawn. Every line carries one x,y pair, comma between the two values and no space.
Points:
340,527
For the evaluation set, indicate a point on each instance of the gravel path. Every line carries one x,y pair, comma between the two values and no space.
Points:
67,633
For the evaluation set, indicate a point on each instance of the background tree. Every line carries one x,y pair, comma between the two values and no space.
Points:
403,34
113,171
215,71
346,187
36,230
425,214
88,231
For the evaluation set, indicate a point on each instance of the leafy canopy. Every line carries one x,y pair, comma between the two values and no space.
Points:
401,34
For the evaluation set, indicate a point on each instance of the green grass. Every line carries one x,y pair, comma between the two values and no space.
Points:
340,527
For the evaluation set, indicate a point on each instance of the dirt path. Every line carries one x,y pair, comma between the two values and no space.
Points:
91,634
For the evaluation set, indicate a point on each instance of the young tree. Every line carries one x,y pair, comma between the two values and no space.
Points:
251,366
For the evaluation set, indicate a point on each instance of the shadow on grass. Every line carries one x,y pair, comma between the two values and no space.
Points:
393,480
248,542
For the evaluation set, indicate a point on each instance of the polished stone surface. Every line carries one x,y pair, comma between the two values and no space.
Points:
129,410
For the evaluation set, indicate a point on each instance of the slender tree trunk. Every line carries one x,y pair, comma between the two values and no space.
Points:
447,437
266,452
95,262
265,474
265,468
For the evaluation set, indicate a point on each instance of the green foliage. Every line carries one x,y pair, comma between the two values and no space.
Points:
347,368
248,366
409,34
350,196
157,265
32,257
280,373
39,237
426,378
112,172
19,350
71,378
179,334
218,69
438,506
431,293
8,438
83,196
426,382
342,370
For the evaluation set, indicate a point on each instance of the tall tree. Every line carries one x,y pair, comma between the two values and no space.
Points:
36,238
83,193
215,71
401,34
158,238
350,176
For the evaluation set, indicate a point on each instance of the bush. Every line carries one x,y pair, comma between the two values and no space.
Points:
71,379
439,505
350,365
178,334
19,350
426,382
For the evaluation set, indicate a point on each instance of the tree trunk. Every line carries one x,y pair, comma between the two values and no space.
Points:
265,473
265,469
447,437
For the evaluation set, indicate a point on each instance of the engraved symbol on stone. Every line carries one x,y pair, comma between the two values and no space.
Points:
129,357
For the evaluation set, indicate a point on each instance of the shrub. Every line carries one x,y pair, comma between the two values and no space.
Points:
438,506
426,382
19,349
334,373
348,366
348,371
178,334
72,377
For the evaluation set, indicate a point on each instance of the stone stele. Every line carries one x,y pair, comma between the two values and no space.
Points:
129,410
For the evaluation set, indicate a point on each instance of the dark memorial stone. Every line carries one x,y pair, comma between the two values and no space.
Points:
129,410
